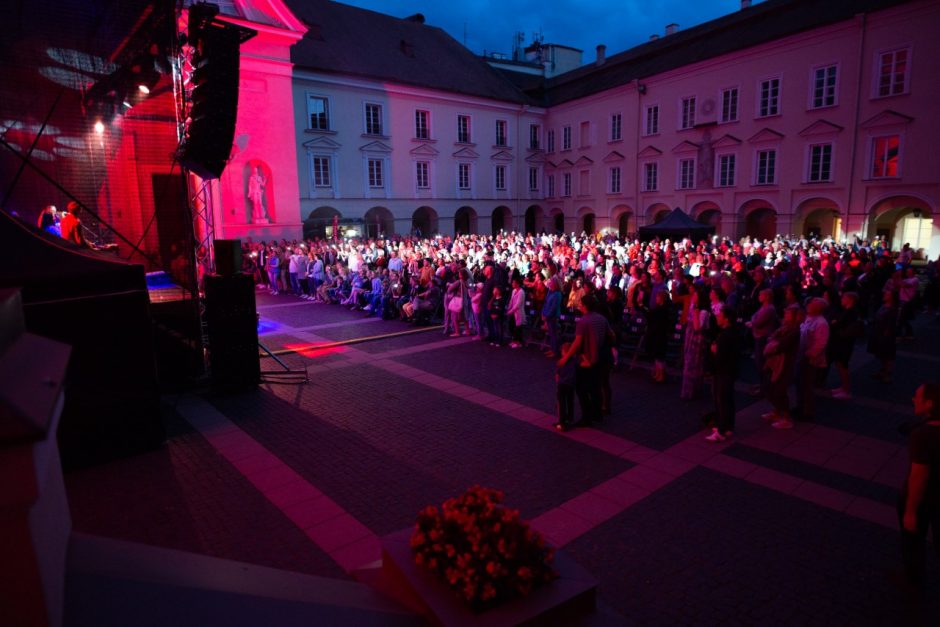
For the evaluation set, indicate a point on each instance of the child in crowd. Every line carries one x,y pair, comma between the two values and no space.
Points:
475,301
564,390
496,313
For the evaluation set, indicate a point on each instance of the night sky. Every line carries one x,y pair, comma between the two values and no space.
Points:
490,24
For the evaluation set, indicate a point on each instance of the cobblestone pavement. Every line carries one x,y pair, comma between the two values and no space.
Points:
794,527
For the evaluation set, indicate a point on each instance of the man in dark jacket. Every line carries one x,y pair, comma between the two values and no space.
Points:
726,351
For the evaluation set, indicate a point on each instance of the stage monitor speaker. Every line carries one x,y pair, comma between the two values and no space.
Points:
232,325
228,256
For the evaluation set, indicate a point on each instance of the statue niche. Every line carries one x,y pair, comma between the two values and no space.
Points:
259,191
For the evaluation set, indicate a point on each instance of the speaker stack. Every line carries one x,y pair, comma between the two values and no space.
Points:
232,320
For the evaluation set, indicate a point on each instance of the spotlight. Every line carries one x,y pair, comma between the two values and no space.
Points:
143,89
99,127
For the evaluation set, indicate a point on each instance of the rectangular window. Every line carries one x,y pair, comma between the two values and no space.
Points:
824,86
550,192
652,120
729,105
650,177
535,135
550,140
375,173
463,129
616,127
726,165
501,178
585,129
566,138
820,163
533,179
422,124
614,187
893,72
422,175
502,130
885,156
373,119
584,182
318,109
566,184
766,167
686,173
463,175
688,113
769,98
321,171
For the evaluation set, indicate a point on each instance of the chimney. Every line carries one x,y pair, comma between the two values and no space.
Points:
417,18
654,37
601,54
672,28
745,4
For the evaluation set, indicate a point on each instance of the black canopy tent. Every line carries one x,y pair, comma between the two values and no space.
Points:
676,225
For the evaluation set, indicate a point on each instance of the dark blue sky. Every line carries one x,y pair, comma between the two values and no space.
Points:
490,24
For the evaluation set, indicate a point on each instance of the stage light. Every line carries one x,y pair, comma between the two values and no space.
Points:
99,127
143,89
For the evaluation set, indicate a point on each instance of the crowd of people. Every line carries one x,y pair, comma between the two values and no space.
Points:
798,307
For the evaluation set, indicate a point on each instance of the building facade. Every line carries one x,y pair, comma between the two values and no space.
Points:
780,118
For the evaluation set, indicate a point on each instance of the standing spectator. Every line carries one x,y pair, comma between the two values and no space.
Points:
726,351
296,267
693,354
274,268
882,340
844,330
565,378
919,505
814,338
551,312
515,312
497,315
779,363
762,324
592,336
659,325
907,299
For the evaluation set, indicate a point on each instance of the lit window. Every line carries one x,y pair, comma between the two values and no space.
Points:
422,175
885,156
688,113
686,173
422,124
820,163
373,119
729,105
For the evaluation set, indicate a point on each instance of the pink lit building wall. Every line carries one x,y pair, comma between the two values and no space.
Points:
829,131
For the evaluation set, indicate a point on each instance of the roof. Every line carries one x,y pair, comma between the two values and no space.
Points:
676,223
357,42
742,29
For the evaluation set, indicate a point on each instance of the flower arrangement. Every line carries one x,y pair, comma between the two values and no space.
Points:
481,549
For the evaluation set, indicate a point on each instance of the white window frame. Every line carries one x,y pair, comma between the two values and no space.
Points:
426,174
687,106
566,137
504,124
371,172
733,173
735,115
809,163
616,126
501,172
651,166
328,159
566,185
550,182
366,119
461,167
825,88
871,157
757,167
876,82
651,120
425,126
464,135
680,181
326,107
777,101
535,136
534,178
614,179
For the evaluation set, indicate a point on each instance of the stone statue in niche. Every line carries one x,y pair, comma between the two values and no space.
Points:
256,185
706,163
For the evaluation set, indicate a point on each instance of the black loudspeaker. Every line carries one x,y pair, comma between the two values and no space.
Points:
208,141
228,256
232,324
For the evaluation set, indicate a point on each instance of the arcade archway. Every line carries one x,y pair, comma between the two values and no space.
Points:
378,222
903,220
501,220
465,221
319,224
534,220
424,222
